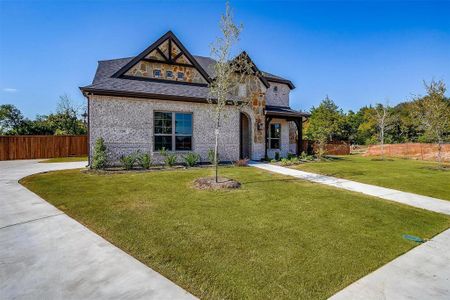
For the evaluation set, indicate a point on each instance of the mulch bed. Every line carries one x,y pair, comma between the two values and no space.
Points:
209,183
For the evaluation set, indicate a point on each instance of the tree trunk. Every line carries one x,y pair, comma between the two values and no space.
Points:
216,148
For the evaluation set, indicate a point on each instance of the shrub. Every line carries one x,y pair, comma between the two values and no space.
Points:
128,161
169,159
285,162
99,157
277,156
290,155
294,160
191,159
211,157
241,163
145,160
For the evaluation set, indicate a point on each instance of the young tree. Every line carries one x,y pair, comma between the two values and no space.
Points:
384,123
433,114
325,124
235,81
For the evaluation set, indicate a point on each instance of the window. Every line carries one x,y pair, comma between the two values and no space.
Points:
157,73
173,131
274,136
180,75
242,90
169,74
275,89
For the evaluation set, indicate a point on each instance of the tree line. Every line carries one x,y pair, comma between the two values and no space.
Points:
423,119
68,119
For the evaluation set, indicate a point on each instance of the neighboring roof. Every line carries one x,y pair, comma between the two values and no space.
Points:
284,111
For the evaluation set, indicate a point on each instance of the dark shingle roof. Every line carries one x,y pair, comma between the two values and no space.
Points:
284,111
103,80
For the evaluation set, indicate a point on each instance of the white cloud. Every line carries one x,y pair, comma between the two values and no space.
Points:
10,90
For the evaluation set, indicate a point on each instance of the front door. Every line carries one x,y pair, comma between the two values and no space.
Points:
244,136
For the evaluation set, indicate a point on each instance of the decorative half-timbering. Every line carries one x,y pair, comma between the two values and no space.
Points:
165,60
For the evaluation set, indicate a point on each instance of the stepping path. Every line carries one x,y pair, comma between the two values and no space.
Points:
422,273
44,254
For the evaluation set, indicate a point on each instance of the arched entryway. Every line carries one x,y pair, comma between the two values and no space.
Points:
244,136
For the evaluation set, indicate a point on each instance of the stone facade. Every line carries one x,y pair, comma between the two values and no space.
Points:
146,69
126,125
278,94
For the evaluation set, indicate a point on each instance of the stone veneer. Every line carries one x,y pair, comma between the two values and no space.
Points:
280,97
126,125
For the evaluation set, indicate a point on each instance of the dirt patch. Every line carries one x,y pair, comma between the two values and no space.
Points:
209,183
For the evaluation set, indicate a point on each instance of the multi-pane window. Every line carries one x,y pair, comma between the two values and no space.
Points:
173,131
157,73
275,136
169,74
180,75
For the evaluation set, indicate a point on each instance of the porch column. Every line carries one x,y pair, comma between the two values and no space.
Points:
266,137
299,123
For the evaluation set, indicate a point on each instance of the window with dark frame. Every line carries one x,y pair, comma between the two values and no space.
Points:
275,136
180,75
275,89
169,74
173,131
157,73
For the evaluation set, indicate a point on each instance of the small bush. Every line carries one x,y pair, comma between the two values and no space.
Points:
290,155
191,159
169,159
211,157
99,157
241,163
285,162
277,156
294,160
128,161
144,160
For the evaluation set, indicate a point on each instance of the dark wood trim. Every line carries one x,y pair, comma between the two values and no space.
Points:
169,35
87,91
160,52
170,50
130,77
171,63
177,56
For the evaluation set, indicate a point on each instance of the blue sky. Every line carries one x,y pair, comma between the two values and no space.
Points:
357,52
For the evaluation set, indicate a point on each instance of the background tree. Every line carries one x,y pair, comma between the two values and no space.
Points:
325,124
384,123
11,119
235,80
433,114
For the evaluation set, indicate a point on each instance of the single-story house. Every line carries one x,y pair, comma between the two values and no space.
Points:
159,99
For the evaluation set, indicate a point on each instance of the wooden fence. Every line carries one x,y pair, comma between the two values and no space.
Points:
411,150
42,146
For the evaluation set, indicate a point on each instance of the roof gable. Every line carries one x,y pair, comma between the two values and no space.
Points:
166,51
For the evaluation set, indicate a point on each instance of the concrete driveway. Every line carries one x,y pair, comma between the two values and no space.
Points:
44,254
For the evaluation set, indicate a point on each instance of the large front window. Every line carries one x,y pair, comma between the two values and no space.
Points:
173,131
274,136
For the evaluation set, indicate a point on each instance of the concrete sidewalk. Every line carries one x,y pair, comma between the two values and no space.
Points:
44,254
428,203
422,273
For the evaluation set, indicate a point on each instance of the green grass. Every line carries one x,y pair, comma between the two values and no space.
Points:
276,237
414,176
65,159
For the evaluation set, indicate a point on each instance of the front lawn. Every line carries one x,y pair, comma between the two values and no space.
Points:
414,176
65,159
275,237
